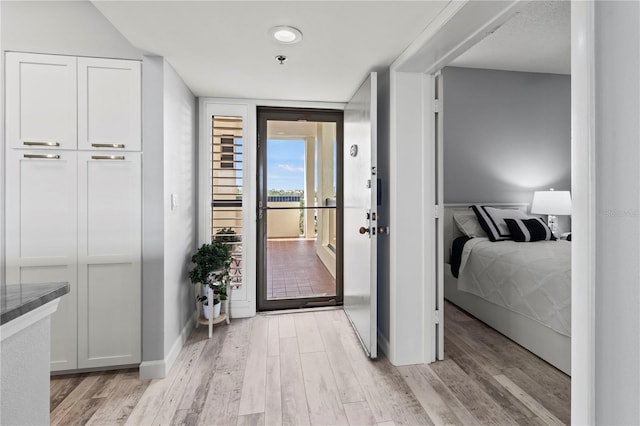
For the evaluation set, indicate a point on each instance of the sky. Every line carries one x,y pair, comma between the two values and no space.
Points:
285,164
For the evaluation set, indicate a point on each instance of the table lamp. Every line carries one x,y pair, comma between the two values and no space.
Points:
551,203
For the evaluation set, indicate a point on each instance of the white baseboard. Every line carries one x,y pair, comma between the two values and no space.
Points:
159,369
153,370
242,309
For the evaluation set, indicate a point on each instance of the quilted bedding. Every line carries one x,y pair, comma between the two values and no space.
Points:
532,279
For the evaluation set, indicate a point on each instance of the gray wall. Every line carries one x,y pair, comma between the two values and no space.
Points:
180,226
617,296
506,134
153,209
169,236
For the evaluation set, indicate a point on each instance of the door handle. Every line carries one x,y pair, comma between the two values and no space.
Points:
107,157
107,145
363,230
44,156
38,143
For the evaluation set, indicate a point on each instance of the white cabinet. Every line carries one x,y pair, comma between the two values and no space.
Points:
41,101
73,199
109,104
76,217
64,102
41,235
109,244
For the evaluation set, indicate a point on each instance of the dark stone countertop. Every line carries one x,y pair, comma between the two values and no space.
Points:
19,299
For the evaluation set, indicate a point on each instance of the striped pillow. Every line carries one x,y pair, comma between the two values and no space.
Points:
492,220
529,230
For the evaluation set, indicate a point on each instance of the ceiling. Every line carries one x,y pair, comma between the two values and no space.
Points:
223,49
536,39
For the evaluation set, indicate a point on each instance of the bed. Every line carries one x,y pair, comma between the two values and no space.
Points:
523,290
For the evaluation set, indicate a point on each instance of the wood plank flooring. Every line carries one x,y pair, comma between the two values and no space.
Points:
308,368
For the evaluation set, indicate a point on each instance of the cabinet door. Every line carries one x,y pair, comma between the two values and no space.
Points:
109,104
109,255
41,101
41,232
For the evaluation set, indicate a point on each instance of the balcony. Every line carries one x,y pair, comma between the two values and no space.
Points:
300,265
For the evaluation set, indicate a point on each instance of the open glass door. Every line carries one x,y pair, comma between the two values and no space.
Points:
360,213
299,215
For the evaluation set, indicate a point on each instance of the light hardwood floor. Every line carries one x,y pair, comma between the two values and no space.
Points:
308,368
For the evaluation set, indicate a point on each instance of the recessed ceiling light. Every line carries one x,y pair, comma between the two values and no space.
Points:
285,34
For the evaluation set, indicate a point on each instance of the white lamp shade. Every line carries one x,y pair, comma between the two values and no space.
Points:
551,202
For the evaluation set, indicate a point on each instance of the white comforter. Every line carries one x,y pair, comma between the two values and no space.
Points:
532,279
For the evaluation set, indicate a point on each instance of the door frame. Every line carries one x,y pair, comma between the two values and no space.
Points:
458,27
243,299
264,114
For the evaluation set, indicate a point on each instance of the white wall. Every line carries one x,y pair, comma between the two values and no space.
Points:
617,159
74,28
411,219
2,178
180,226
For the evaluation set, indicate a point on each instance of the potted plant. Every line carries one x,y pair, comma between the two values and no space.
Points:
212,270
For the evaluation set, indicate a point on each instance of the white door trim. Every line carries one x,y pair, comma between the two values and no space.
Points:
457,29
583,188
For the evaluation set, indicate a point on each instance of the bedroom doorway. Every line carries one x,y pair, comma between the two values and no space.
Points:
497,109
417,66
299,247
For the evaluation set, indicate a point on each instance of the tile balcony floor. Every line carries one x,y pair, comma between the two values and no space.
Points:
294,270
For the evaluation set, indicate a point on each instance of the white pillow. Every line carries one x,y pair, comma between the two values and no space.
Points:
468,224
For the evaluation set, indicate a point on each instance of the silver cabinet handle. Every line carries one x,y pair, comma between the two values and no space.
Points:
107,145
46,156
38,143
107,157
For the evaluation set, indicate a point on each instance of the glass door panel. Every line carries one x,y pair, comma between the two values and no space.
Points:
298,233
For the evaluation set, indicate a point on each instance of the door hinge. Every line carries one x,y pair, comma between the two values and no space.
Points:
436,317
436,105
436,211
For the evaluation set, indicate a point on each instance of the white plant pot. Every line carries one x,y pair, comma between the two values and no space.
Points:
207,311
210,313
216,310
